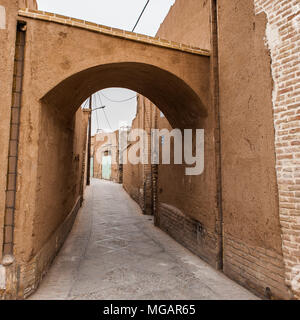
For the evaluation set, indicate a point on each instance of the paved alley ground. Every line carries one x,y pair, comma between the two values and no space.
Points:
115,252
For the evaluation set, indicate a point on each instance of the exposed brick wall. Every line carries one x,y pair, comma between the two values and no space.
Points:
283,40
188,231
256,268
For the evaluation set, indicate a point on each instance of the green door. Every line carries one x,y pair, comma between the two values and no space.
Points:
106,167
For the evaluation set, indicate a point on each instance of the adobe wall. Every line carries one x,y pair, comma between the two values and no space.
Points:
188,22
252,244
8,13
31,4
49,183
252,236
183,210
97,143
8,27
282,39
116,173
62,152
258,86
99,140
133,182
187,204
184,204
133,179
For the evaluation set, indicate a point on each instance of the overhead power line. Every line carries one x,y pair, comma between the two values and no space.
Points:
140,15
97,119
99,96
102,107
116,101
107,120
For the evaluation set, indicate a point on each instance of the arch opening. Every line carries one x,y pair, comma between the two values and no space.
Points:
177,100
61,159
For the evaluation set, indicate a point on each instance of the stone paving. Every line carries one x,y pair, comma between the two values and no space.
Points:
115,252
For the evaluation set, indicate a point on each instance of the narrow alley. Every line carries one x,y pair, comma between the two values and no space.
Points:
115,252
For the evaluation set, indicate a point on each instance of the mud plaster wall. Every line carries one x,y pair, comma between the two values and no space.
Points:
133,174
188,22
59,177
8,11
252,242
59,168
99,142
282,39
47,126
31,4
194,196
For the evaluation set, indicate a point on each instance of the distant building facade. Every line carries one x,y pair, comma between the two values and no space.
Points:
105,162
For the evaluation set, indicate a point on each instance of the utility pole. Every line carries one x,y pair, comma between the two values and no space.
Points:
88,176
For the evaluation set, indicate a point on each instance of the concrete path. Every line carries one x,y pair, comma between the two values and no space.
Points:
115,252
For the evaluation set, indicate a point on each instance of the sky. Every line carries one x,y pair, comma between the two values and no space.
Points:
121,14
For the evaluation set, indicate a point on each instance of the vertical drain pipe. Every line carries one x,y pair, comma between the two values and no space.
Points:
215,100
12,168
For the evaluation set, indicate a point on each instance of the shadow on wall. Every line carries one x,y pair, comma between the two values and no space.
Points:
176,99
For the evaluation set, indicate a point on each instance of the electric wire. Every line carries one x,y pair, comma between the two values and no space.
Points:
117,101
107,120
97,119
98,95
104,111
140,15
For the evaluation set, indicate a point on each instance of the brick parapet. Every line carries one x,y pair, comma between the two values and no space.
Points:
157,41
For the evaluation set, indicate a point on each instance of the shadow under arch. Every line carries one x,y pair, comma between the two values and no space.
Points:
176,99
